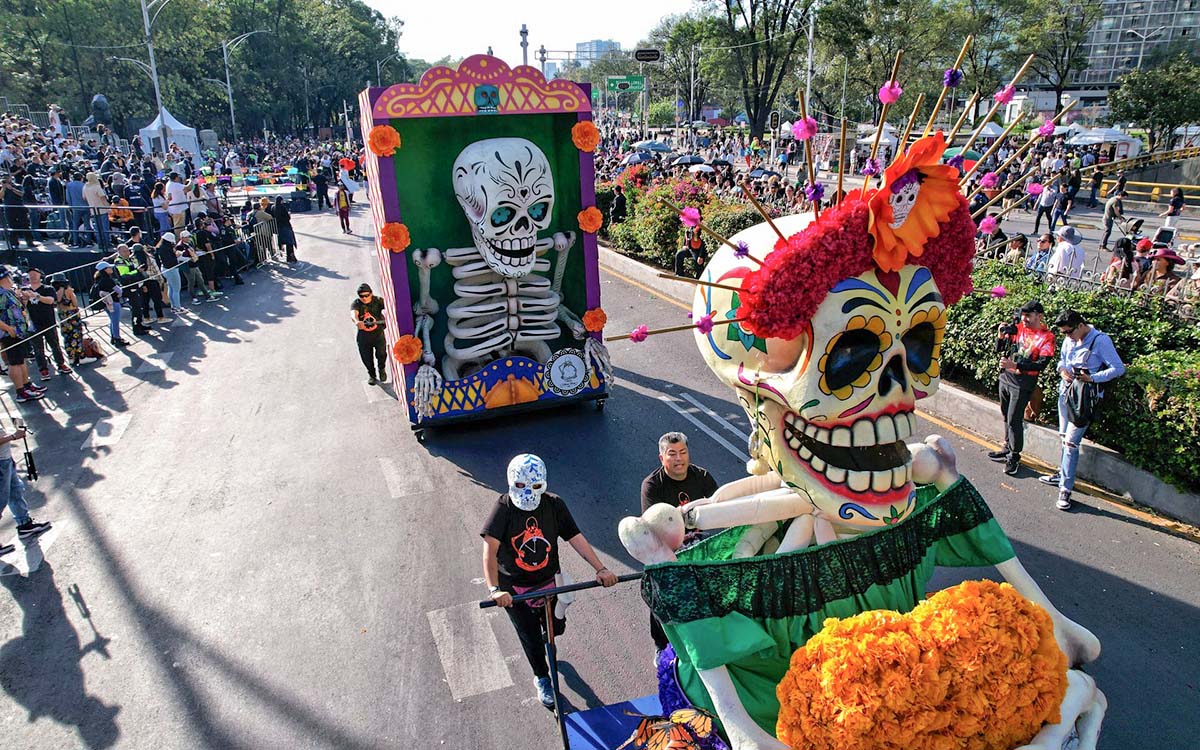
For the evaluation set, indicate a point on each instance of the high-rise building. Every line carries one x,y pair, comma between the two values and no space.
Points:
1130,31
586,52
551,70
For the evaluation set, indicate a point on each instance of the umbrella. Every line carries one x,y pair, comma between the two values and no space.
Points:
700,168
687,160
652,146
721,163
760,173
637,157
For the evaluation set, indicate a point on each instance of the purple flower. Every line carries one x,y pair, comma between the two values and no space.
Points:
989,181
814,191
952,78
1047,129
889,93
956,161
705,324
742,249
872,167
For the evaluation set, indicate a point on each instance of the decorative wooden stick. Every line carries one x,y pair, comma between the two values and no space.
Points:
996,107
758,206
841,162
882,120
946,89
710,232
671,329
902,144
812,179
1020,181
962,118
698,282
1021,151
992,149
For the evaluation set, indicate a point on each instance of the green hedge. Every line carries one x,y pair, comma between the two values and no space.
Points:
1150,414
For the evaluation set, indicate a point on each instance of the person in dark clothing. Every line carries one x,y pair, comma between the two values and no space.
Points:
619,208
520,555
677,482
321,184
372,346
57,191
152,290
29,190
283,229
45,325
16,214
1025,348
693,247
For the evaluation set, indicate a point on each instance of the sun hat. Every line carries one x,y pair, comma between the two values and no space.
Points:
169,236
1166,253
1070,234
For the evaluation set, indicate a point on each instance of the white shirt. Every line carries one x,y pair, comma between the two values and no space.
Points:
1067,260
176,198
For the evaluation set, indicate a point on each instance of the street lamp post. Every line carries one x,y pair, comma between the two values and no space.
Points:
379,67
524,45
153,66
226,48
1144,37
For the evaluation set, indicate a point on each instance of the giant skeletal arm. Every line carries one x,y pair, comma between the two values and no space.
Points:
428,382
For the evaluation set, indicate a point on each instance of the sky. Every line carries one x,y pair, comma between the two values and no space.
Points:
434,29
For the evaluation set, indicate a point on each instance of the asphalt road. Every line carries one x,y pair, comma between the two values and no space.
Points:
252,551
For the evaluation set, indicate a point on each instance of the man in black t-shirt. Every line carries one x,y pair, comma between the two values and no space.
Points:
45,324
677,482
367,310
520,554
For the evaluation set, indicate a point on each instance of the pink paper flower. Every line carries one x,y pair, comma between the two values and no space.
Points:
639,334
705,324
1047,129
988,225
999,291
690,217
889,93
804,128
1035,188
989,181
1005,95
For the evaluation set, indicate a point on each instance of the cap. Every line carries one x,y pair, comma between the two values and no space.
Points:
1033,306
184,235
169,236
1144,244
364,288
102,265
4,272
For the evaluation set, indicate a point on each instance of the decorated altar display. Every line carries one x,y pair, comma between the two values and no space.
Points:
481,189
800,621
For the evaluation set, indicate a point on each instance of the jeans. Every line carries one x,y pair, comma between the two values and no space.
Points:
1092,200
1057,217
174,282
79,216
12,491
1013,401
1043,211
114,321
100,223
164,221
1072,438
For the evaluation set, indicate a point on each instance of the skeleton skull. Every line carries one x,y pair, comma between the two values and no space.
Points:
506,190
903,198
834,406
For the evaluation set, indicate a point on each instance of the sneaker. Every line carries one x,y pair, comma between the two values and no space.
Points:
195,300
64,370
545,692
24,395
1051,479
31,386
6,548
999,456
383,377
1012,465
31,529
372,381
44,373
1064,501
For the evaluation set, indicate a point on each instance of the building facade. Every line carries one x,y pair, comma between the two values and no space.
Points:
586,52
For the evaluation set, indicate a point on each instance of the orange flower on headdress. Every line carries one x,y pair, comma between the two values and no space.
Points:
396,237
594,319
407,349
918,193
590,219
585,136
383,140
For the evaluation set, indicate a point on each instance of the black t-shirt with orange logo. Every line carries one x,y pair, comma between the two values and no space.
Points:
370,312
529,539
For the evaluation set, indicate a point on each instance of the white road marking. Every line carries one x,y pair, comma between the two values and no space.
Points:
107,431
29,554
741,455
470,654
714,416
149,365
411,479
375,393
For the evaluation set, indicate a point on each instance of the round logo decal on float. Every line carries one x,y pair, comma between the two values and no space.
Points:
566,372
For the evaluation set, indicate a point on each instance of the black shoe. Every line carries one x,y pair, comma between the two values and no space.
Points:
999,456
119,342
141,330
1051,479
6,548
31,529
1012,465
382,377
372,381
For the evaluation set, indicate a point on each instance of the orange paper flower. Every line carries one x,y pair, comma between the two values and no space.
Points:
396,237
918,193
594,319
590,219
383,140
585,136
407,349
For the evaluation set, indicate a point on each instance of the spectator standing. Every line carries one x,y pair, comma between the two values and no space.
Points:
1063,203
1045,207
98,206
152,289
69,322
16,214
1087,361
105,287
619,206
1114,211
132,279
264,231
372,346
78,213
1096,183
191,269
1174,207
1025,348
321,185
41,309
158,199
12,491
342,199
177,201
1067,259
57,191
283,229
16,329
168,261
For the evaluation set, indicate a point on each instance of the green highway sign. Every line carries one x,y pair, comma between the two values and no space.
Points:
626,83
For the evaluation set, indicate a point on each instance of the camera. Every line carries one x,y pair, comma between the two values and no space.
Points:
1006,335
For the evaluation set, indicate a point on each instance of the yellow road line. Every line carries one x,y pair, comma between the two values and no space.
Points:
644,288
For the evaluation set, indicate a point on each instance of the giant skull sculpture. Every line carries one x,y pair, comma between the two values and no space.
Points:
506,190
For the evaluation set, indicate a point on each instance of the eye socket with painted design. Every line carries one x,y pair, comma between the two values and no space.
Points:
520,485
918,346
538,211
850,357
537,486
502,216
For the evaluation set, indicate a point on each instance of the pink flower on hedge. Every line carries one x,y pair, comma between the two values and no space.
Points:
889,93
1005,95
988,225
989,181
1047,129
1035,188
690,217
705,324
998,292
639,334
804,128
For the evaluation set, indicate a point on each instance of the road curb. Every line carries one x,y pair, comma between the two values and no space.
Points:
980,416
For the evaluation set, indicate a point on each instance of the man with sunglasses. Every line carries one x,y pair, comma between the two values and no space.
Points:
1025,346
367,310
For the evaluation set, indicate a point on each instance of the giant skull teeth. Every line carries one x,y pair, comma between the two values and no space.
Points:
867,455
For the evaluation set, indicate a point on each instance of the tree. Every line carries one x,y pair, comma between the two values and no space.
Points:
1055,31
764,36
1158,99
661,114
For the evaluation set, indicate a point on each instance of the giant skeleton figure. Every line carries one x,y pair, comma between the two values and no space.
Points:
502,306
832,410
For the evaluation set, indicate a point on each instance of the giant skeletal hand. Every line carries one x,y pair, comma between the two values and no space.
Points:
428,382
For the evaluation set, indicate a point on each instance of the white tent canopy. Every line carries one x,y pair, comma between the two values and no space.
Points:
177,133
991,130
886,139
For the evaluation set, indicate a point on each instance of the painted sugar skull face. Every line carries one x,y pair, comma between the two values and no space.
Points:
835,405
487,99
903,197
506,190
526,481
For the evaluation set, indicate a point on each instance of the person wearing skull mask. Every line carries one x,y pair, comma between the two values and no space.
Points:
520,555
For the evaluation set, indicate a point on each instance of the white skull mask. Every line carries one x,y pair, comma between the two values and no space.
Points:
903,200
835,404
526,481
506,190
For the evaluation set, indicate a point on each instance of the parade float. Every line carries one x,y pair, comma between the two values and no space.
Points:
481,189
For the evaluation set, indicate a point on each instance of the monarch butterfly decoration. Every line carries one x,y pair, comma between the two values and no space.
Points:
682,730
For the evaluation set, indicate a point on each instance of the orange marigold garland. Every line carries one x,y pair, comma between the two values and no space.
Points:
585,136
590,219
975,667
594,319
407,349
383,140
396,237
